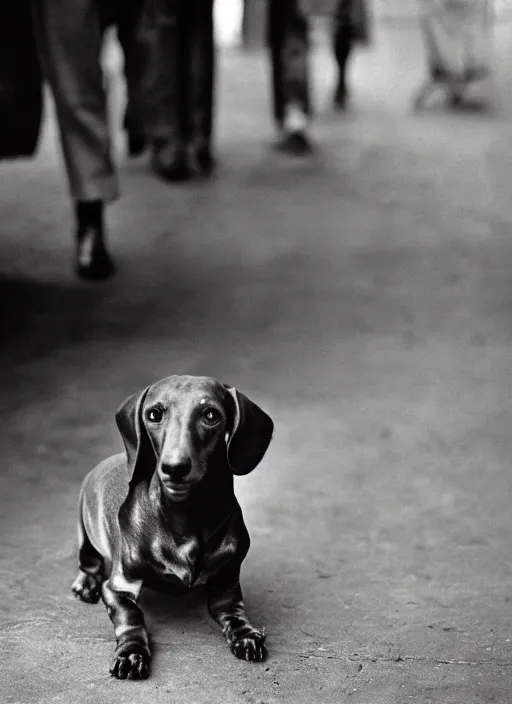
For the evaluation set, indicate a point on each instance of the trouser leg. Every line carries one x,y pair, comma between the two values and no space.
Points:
289,48
183,68
202,74
342,49
168,88
275,40
135,64
70,40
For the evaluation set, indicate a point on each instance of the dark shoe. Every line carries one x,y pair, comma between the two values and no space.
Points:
340,97
455,99
136,143
171,163
93,262
134,134
295,143
203,160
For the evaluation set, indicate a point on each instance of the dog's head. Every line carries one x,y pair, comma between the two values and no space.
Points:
176,426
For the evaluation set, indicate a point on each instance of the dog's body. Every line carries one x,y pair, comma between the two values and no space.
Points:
165,514
158,553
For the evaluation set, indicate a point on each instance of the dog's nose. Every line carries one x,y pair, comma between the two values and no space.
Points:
177,471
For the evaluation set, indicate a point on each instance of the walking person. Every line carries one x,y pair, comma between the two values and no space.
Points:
289,51
180,87
350,26
70,39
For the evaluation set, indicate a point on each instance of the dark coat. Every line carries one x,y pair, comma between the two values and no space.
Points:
21,93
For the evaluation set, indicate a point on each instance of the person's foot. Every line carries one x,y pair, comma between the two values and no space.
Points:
340,97
293,138
170,162
135,138
455,99
296,143
203,159
93,261
136,143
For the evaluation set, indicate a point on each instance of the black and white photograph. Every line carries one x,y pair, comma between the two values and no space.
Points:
256,351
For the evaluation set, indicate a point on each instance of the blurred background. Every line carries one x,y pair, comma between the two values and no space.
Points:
362,295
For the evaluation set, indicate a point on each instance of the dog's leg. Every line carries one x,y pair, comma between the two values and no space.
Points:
87,584
226,606
132,655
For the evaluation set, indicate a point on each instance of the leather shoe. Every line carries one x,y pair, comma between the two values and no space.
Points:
171,163
93,262
295,143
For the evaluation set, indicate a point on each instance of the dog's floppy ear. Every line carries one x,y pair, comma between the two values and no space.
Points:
251,434
136,441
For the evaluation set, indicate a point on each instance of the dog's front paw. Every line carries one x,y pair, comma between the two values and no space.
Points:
251,647
87,588
130,666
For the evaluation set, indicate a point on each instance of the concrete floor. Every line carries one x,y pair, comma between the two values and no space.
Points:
364,298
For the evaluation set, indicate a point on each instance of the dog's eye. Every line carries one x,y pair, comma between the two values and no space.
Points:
155,414
211,415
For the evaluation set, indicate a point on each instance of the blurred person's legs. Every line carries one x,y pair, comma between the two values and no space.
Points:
201,86
128,20
289,49
166,90
342,49
182,96
351,25
70,36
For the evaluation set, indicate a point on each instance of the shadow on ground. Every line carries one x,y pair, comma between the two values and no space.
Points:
363,298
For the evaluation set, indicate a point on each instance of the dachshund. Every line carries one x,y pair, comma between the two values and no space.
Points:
165,514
